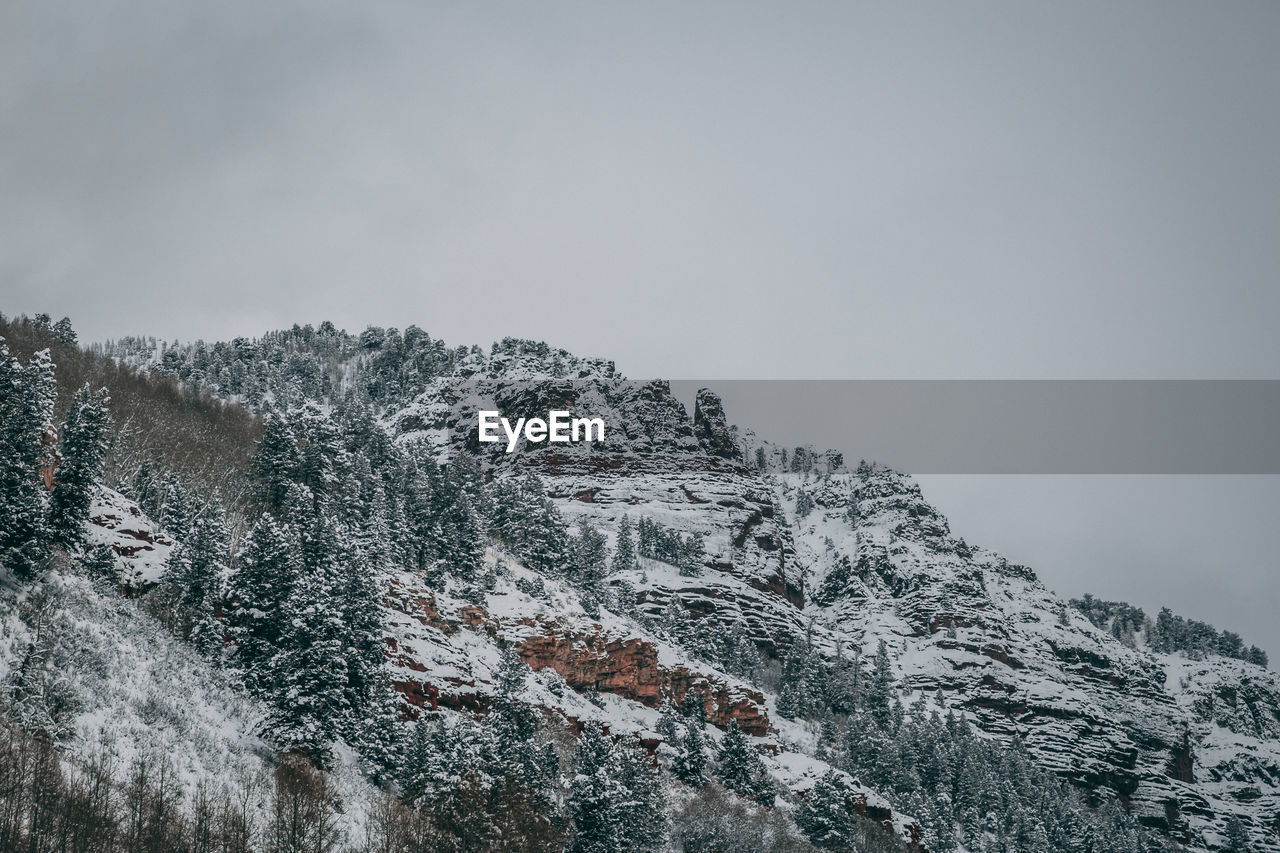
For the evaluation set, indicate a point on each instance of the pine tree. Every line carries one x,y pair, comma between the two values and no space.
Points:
464,475
740,655
645,537
193,578
306,615
307,678
672,622
805,679
537,531
708,640
825,816
668,718
624,551
380,734
1237,836
417,495
99,564
588,556
63,331
515,723
358,592
691,554
455,539
625,599
794,698
693,708
26,410
267,568
177,508
844,682
424,761
84,447
642,820
690,765
615,799
365,511
691,759
593,796
739,766
275,464
879,692
322,456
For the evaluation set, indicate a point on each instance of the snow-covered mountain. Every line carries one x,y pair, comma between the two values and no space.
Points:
825,610
859,556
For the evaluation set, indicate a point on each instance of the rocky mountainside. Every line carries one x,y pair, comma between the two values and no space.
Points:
858,556
992,639
876,663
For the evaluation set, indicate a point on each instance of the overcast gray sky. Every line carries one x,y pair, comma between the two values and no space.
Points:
798,190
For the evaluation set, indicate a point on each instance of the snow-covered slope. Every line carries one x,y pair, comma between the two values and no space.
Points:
109,682
129,683
865,557
996,642
445,653
795,544
141,548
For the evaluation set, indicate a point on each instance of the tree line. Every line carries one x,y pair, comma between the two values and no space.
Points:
1168,632
47,473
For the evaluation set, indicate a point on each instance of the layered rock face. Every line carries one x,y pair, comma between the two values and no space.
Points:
441,650
863,557
630,667
653,463
444,652
995,642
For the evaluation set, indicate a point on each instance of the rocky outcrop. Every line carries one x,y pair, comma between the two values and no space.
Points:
141,547
657,462
427,650
629,667
711,428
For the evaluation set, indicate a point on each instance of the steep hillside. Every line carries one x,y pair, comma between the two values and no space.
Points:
130,703
989,636
158,421
497,636
859,557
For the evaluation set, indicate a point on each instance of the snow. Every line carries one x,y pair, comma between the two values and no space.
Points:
141,692
142,549
1082,701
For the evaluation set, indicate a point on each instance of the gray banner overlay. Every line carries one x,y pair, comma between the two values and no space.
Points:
1129,427
1020,426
